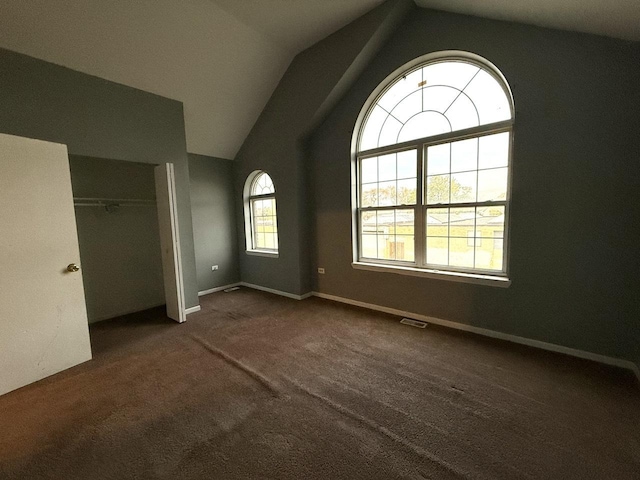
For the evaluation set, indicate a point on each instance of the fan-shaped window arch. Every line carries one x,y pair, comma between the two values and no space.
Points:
260,213
433,155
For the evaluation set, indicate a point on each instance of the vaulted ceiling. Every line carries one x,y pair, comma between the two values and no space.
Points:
224,58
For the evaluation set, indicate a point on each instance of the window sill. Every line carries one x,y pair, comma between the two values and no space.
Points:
490,280
262,253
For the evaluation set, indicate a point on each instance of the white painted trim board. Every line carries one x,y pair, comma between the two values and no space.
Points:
617,362
277,292
218,289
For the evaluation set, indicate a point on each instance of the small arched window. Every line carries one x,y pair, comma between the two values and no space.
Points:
433,158
260,213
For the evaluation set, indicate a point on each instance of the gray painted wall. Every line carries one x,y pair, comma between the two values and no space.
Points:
313,83
100,119
119,251
574,259
214,220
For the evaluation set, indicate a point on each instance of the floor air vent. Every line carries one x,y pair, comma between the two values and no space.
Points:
413,323
231,289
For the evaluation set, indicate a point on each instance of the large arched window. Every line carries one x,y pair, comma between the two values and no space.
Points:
433,156
260,214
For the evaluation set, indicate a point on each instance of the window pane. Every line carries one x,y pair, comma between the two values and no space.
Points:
438,250
257,208
406,192
389,132
262,185
401,245
489,98
407,165
403,248
438,189
388,234
371,129
463,187
387,193
368,222
424,124
462,114
438,97
369,195
455,74
269,207
408,107
461,220
405,222
489,220
438,158
384,247
400,89
369,246
369,170
437,222
387,167
492,184
460,253
494,150
489,253
464,155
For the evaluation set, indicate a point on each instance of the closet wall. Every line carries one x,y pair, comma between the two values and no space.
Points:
119,248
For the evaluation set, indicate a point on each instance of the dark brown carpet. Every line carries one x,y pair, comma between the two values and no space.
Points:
257,386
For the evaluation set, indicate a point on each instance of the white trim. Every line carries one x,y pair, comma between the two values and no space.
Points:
217,289
493,281
190,310
617,362
277,292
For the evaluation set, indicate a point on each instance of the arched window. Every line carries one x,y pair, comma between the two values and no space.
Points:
433,156
260,214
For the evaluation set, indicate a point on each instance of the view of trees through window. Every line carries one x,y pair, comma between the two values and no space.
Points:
441,202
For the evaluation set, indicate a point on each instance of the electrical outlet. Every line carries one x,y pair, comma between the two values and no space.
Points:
321,270
214,268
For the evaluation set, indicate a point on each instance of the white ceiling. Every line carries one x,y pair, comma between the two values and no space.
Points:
613,18
297,24
223,58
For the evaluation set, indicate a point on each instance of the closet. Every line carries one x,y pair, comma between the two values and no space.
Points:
118,235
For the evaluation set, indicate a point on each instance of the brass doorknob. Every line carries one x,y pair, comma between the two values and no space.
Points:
72,267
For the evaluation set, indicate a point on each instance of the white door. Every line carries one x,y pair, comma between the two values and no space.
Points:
43,318
170,242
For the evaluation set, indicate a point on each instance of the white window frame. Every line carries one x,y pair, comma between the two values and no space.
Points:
419,267
249,220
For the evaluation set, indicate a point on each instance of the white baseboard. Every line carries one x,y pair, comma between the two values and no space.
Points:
491,333
218,289
189,310
277,292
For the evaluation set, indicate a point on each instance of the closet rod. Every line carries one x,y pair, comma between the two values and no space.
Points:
104,202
